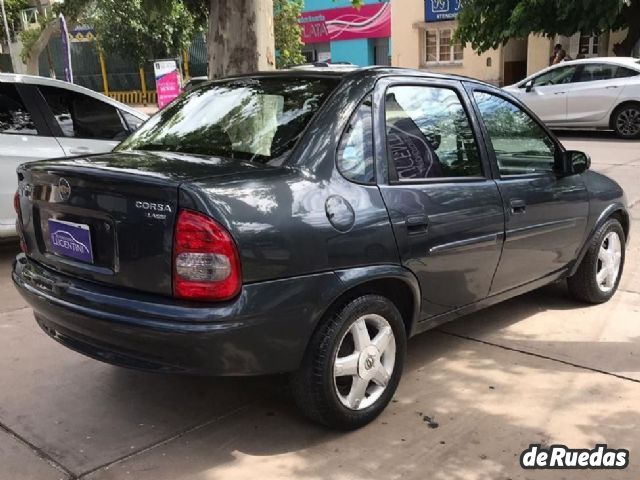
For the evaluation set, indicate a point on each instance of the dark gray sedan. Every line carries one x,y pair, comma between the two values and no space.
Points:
310,222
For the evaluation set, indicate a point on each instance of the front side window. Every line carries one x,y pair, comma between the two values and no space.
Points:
14,116
521,145
82,116
250,119
556,76
355,153
440,48
429,134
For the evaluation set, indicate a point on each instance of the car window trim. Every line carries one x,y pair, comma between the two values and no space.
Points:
368,95
472,88
458,88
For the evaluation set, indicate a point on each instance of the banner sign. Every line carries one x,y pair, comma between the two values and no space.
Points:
346,23
66,48
168,84
82,33
440,10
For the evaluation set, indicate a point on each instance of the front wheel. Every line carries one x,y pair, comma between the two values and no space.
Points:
353,364
626,121
598,276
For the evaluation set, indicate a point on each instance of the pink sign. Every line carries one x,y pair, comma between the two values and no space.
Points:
168,83
347,23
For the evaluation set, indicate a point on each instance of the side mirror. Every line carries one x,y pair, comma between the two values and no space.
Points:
529,86
575,162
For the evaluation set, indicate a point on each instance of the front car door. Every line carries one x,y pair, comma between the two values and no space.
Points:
83,125
24,136
445,209
546,214
595,93
548,97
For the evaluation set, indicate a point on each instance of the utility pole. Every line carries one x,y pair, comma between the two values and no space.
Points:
6,31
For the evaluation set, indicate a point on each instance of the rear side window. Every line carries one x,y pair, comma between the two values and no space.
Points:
355,154
429,134
81,116
602,71
14,116
521,145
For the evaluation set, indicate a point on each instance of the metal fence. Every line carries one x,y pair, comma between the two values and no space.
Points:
123,75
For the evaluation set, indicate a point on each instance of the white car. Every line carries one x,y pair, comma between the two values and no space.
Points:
594,93
43,118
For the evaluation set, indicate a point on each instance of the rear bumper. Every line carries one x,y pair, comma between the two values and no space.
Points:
264,331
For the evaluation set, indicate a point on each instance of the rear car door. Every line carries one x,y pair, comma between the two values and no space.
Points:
82,124
596,91
445,209
546,214
24,136
548,97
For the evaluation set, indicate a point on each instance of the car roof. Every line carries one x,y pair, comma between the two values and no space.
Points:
35,80
358,73
624,61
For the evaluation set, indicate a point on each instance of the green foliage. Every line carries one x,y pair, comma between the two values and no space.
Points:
13,8
486,24
143,29
287,31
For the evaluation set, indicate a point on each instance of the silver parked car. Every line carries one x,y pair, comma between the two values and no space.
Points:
42,118
594,93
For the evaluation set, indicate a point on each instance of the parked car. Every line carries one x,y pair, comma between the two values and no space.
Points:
594,93
310,222
43,118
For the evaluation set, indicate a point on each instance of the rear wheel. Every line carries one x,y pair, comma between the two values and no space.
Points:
626,121
598,276
353,364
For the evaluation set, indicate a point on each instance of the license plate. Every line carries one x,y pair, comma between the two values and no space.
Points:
71,240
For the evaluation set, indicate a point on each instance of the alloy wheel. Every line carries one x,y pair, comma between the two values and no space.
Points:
609,260
628,122
364,362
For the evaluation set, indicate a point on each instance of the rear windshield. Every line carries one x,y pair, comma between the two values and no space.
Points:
257,120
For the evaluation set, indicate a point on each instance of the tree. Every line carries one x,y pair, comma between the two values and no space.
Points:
487,24
12,8
143,29
288,34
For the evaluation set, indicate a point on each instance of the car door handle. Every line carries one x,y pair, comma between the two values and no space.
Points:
611,87
417,224
518,206
80,151
560,93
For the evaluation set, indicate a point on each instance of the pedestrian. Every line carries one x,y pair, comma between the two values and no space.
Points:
559,55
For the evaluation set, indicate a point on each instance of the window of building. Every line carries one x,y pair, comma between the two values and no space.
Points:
589,45
355,154
439,47
429,134
521,145
14,116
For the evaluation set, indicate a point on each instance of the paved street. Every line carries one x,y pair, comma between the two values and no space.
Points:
475,394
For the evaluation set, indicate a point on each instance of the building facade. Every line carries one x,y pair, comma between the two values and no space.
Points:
335,31
422,31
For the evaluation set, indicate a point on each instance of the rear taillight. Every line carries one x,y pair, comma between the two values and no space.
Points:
18,209
206,265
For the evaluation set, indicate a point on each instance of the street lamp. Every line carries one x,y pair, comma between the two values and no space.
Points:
6,31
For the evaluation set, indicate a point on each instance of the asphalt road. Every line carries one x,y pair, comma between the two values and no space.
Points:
537,369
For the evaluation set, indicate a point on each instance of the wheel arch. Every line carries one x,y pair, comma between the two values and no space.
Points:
617,211
624,103
391,281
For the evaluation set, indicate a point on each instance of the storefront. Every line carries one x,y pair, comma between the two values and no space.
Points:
334,31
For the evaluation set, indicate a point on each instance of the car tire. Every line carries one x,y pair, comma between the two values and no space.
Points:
598,276
625,121
348,342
